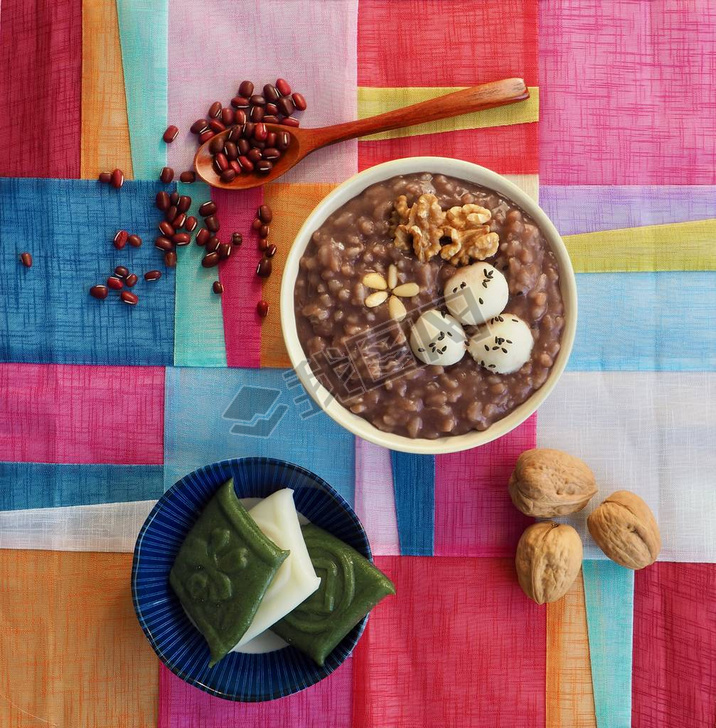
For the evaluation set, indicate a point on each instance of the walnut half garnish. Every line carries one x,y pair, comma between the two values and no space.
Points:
422,226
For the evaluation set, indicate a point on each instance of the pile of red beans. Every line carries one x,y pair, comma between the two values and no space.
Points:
250,147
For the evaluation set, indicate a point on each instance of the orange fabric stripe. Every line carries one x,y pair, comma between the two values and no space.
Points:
105,129
570,700
71,650
291,204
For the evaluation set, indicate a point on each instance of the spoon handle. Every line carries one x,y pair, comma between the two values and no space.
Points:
476,98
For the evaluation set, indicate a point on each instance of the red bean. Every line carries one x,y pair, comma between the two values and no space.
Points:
105,177
271,251
181,238
100,292
286,106
171,214
162,200
129,298
263,244
170,259
217,287
174,198
131,280
262,309
227,116
283,86
271,119
255,155
205,136
234,164
207,208
115,283
190,223
215,109
135,241
237,239
283,140
199,126
264,231
163,243
120,239
221,161
224,251
263,269
183,203
264,166
271,110
256,113
187,177
203,237
121,271
170,134
260,132
216,126
26,259
246,164
231,150
216,145
248,130
213,244
271,153
240,102
256,224
246,88
166,228
257,100
210,260
117,178
179,221
166,175
271,93
240,117
227,176
152,275
265,213
290,121
243,146
299,101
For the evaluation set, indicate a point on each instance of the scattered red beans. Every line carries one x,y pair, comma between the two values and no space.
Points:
105,177
131,280
212,223
205,136
174,198
190,223
183,203
170,214
217,287
262,309
170,259
181,239
227,116
215,109
130,298
135,241
152,275
265,214
187,177
100,292
290,121
263,244
270,251
224,250
199,126
162,201
164,243
120,239
121,271
179,221
246,89
166,175
26,259
227,176
263,269
237,239
166,228
212,244
283,86
170,134
117,178
203,237
264,166
216,126
115,283
264,231
256,224
299,101
210,260
207,208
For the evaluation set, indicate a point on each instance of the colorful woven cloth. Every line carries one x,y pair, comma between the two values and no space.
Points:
102,407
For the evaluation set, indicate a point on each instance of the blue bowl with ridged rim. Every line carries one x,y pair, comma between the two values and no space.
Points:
179,645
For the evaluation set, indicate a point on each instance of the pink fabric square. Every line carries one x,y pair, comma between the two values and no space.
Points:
459,645
674,668
324,705
242,287
215,44
627,92
474,515
59,413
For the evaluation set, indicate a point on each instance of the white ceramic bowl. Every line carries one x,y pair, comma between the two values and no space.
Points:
351,188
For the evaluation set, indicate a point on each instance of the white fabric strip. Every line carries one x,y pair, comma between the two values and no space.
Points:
108,527
653,433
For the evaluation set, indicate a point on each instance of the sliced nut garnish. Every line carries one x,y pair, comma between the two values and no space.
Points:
472,215
468,245
423,222
375,299
407,290
396,309
375,281
392,276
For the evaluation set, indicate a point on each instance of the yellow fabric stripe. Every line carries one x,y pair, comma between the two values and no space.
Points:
677,246
104,141
569,696
372,101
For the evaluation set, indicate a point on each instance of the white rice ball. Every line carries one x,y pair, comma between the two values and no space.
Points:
437,338
476,293
502,345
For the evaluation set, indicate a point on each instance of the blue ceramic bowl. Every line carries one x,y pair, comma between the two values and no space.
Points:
179,645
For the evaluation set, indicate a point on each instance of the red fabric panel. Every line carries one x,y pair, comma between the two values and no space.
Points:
459,645
474,515
446,42
40,87
674,671
505,149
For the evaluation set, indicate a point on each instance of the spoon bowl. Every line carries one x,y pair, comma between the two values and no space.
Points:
305,141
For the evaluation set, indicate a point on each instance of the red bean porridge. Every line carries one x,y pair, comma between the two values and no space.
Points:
363,357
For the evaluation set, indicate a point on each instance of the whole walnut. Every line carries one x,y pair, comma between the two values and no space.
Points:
548,559
547,483
624,527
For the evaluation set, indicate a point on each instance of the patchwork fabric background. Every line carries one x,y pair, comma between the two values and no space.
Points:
102,406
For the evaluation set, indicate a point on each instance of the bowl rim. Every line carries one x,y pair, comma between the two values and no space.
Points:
164,502
352,187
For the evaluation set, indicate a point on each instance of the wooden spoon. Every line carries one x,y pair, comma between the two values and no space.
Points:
305,141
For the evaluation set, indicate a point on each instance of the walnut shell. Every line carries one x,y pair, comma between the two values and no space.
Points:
548,559
547,483
624,527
